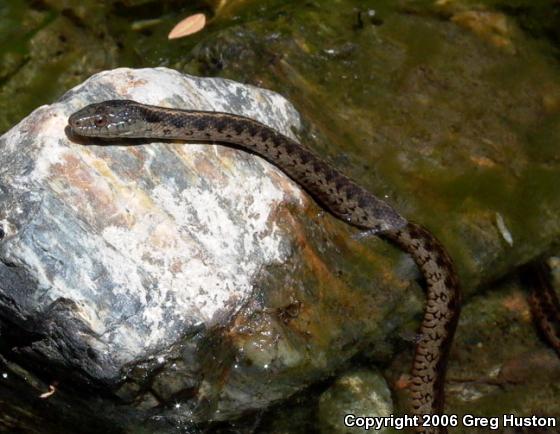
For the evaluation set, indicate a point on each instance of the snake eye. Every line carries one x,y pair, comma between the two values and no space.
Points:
100,121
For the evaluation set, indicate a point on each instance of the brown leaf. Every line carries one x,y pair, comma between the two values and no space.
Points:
188,26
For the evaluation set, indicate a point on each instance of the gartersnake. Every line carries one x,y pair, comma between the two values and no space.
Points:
336,192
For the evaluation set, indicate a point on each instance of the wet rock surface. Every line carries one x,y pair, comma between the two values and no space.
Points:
358,394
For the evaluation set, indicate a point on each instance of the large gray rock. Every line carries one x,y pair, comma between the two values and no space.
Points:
192,281
141,247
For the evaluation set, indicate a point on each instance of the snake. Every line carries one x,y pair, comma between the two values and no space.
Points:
337,193
543,301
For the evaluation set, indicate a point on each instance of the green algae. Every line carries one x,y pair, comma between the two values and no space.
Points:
45,53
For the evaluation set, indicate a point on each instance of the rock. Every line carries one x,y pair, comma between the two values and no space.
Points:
137,245
194,282
353,396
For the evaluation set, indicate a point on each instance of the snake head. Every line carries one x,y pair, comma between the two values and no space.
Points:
113,118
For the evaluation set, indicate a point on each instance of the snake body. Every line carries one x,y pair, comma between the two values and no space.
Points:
544,303
336,192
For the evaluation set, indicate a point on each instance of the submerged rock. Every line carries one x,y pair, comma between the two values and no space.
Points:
190,282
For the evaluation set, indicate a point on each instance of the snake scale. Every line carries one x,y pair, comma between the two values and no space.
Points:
337,193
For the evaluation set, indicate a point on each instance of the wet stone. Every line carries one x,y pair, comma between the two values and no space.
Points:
356,394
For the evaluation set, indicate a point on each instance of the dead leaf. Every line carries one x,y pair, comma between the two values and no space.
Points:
188,26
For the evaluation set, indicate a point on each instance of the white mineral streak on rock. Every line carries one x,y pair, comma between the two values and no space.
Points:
146,240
